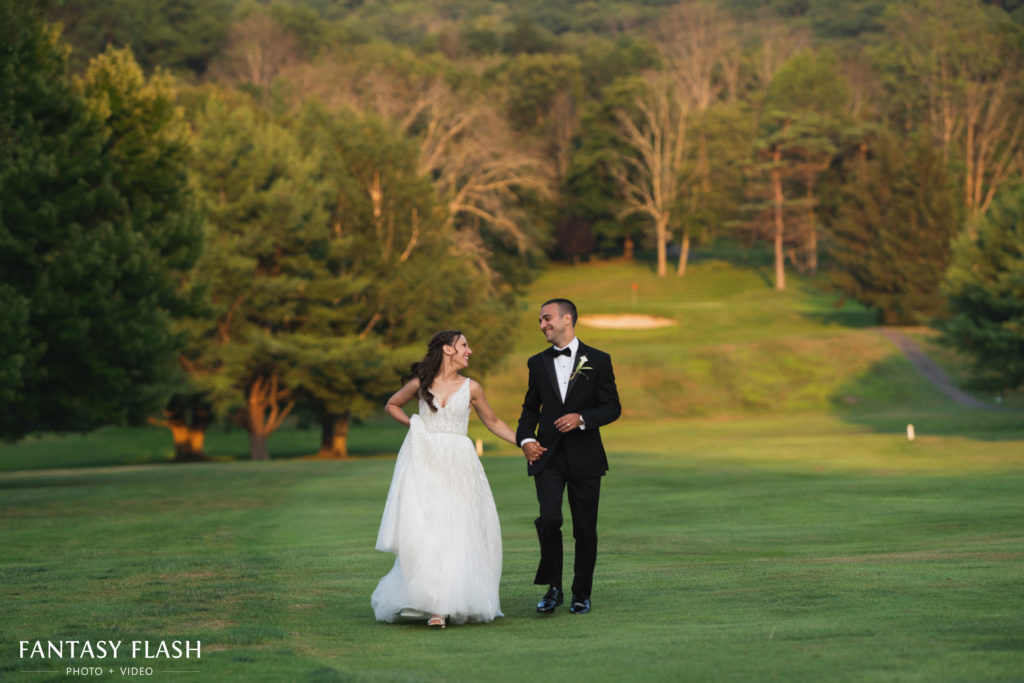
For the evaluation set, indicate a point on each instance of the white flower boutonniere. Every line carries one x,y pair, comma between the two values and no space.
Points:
580,367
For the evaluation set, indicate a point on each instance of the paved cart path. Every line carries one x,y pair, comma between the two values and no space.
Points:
931,370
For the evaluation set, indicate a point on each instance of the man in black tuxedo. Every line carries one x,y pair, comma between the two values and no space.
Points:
571,394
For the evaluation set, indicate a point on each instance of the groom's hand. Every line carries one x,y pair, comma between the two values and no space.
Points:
533,451
569,422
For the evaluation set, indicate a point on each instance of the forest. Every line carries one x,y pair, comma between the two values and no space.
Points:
234,210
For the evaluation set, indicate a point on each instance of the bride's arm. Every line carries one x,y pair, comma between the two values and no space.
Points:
487,416
394,405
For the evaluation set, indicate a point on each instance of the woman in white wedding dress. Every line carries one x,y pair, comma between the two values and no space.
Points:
440,520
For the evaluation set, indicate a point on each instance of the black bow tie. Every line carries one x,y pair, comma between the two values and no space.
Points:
564,352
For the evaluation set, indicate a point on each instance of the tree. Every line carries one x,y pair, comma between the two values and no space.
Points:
542,95
955,67
891,239
179,35
265,267
590,189
483,170
652,175
704,60
95,231
328,261
985,291
803,113
395,239
258,50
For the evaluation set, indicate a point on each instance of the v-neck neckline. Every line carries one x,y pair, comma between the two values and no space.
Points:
444,404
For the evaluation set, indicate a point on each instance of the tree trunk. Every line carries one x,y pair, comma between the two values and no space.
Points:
627,248
812,232
684,253
780,256
196,440
661,233
334,437
182,445
199,420
187,421
258,447
264,414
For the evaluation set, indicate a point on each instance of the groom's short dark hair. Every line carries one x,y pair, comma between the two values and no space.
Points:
564,306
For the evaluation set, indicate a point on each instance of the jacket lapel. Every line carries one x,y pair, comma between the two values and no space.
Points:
549,365
581,351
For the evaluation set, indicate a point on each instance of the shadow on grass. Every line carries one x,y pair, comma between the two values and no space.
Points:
891,394
120,446
828,308
753,257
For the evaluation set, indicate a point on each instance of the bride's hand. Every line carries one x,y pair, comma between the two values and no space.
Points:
533,451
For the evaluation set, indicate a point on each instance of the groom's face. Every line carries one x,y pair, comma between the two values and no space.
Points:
556,326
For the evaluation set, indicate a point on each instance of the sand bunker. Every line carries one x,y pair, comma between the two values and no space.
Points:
626,321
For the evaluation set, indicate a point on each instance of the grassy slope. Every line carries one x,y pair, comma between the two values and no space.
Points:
740,350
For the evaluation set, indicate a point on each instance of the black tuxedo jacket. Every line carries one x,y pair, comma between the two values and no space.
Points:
591,393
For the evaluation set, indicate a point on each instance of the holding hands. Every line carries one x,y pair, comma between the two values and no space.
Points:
533,450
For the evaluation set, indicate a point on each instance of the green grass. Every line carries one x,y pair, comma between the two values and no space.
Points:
765,518
776,548
739,349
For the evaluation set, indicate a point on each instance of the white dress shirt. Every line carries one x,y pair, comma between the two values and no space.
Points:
563,371
563,366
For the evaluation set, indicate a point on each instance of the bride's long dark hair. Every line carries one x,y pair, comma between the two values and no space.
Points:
428,368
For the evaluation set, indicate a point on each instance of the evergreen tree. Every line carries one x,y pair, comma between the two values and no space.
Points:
393,238
985,291
802,116
327,264
891,238
87,281
264,268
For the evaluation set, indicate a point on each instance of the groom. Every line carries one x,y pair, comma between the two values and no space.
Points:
571,394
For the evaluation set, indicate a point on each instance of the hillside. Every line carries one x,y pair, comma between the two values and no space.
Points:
742,359
739,348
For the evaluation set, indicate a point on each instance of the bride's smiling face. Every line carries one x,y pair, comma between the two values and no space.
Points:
461,352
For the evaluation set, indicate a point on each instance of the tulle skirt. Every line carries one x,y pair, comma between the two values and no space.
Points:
441,523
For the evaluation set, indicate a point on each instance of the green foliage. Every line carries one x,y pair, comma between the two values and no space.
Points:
181,35
149,142
985,291
590,186
534,82
808,83
265,263
327,263
603,61
934,53
93,234
892,235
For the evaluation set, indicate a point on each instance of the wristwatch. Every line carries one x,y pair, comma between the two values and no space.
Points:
583,424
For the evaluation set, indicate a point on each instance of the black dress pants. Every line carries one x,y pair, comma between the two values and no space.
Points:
551,482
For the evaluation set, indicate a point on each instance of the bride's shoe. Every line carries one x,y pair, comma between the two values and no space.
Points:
436,620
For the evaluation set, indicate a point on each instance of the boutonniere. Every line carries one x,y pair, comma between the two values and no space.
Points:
580,367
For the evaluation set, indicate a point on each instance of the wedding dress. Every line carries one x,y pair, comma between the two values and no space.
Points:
441,523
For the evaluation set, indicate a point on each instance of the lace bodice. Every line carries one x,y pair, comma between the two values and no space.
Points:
453,418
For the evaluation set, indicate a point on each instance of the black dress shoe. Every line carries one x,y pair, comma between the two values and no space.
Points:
552,599
579,606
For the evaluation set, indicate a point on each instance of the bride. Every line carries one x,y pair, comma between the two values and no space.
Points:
440,520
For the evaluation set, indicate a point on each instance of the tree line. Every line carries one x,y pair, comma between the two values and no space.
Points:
256,207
